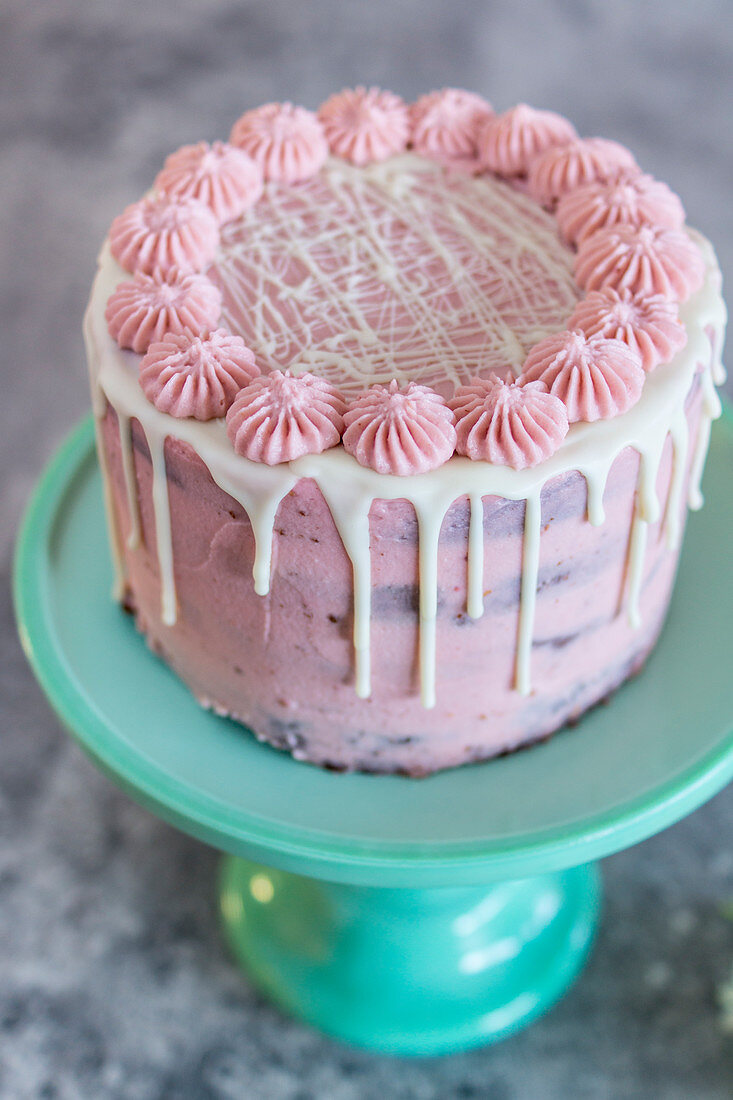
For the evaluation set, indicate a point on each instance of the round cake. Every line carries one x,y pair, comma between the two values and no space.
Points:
400,410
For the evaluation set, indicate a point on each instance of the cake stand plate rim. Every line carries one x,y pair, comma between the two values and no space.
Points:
367,861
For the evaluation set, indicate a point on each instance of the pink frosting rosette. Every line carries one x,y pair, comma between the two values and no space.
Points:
649,260
559,170
623,199
143,310
363,125
280,417
400,431
596,378
499,421
164,233
196,376
509,143
221,176
649,324
286,141
446,124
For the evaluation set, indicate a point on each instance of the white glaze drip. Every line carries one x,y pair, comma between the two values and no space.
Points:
635,567
595,476
679,434
350,511
99,406
475,563
128,470
429,524
711,410
163,536
528,591
350,489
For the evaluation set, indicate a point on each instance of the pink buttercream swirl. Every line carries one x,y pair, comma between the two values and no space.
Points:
623,199
649,324
143,310
287,142
196,376
559,170
509,143
649,260
446,124
499,421
221,176
400,431
365,125
596,378
164,233
280,417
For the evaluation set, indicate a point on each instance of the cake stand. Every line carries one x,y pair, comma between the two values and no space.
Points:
411,916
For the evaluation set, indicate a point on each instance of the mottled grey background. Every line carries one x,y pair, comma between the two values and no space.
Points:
115,982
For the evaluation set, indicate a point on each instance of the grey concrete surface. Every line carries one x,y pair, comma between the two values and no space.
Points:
113,979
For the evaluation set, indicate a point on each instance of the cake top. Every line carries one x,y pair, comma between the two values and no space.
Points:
420,264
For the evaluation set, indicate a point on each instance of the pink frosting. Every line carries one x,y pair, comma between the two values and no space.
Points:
280,417
649,324
146,308
287,142
446,124
499,421
400,431
623,199
196,376
164,233
595,377
221,176
365,125
649,260
560,169
508,143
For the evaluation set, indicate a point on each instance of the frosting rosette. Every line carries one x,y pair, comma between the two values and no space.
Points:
196,376
148,307
595,377
279,417
508,143
499,421
649,260
649,324
446,124
400,431
559,170
623,199
363,125
220,175
163,233
286,141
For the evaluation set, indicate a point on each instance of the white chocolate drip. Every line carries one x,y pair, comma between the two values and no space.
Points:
350,489
711,410
128,469
475,579
528,591
679,434
99,406
163,537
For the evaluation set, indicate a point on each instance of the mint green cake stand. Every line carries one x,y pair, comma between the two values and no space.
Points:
411,916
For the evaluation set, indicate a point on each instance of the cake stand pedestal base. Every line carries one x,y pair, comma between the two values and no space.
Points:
410,972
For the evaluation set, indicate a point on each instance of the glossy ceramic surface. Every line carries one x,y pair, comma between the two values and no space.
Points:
414,972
